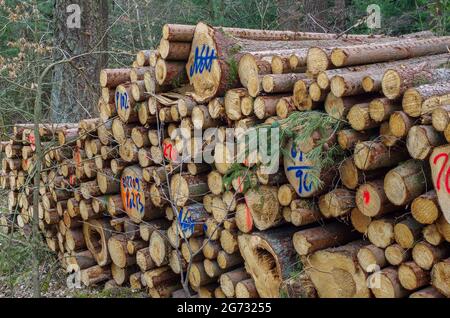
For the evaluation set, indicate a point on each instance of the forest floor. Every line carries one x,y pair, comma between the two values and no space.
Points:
16,275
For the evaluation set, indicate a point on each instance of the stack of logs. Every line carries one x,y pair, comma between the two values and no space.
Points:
122,204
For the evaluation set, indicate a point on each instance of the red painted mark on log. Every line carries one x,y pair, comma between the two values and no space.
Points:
366,196
441,172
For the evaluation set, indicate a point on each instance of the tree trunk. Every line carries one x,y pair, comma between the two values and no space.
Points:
73,95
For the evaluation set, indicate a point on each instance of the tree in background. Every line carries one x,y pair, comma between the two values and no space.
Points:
75,87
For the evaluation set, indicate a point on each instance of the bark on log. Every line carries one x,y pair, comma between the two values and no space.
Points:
395,50
321,237
371,155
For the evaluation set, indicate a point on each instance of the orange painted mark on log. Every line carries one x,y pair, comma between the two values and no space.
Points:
366,196
72,180
248,218
77,157
441,172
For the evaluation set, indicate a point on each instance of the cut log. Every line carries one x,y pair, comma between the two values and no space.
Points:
264,207
424,99
135,196
117,247
395,254
335,272
381,232
187,187
371,258
191,219
440,277
371,199
396,81
426,255
113,77
198,276
421,140
428,292
122,275
228,241
360,221
321,237
337,202
95,275
175,51
425,208
96,234
407,232
406,182
348,138
371,155
395,50
386,284
246,289
338,107
281,83
443,228
229,280
440,118
380,109
269,258
432,235
170,73
160,248
359,117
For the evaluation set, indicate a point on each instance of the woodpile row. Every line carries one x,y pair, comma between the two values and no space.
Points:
358,205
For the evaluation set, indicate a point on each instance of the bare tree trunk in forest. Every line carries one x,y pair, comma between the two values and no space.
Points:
340,15
289,13
314,15
74,91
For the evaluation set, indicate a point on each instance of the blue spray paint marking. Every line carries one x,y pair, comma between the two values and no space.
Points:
187,223
202,60
301,172
122,100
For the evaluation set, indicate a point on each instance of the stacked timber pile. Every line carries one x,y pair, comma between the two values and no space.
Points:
354,202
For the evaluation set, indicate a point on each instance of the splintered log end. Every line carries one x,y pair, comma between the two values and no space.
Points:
262,265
